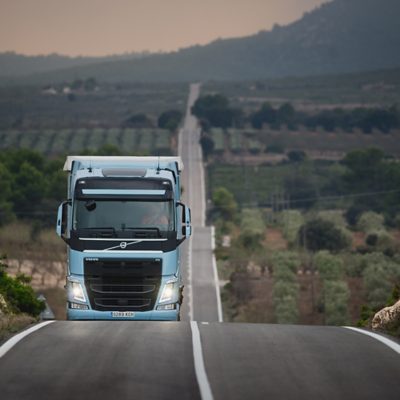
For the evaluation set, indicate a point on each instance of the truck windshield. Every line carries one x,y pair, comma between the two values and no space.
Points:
122,215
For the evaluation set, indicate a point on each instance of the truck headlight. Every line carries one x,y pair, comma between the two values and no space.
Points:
169,292
76,291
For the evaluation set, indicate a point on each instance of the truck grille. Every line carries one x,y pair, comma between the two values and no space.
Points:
122,285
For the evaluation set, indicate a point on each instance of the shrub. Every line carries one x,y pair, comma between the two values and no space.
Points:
379,239
291,221
354,265
379,276
370,221
286,310
286,259
252,228
330,267
224,203
18,294
334,216
285,289
336,297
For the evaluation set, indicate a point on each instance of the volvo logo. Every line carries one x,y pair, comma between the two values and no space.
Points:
123,245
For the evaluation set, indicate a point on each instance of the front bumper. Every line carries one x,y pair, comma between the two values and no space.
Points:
154,315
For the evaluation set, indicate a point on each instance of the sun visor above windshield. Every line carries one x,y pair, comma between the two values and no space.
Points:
123,188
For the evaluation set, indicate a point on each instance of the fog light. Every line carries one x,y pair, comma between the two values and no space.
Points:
77,306
166,307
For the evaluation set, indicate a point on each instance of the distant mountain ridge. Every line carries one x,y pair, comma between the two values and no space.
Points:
14,64
341,36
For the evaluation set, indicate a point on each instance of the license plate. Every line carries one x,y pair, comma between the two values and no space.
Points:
121,314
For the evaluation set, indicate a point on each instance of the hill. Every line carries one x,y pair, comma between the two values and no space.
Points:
15,65
341,36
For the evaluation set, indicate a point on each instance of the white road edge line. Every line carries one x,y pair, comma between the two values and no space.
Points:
201,375
190,277
216,279
180,134
390,343
202,186
7,346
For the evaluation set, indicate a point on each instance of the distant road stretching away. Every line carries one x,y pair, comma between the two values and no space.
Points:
201,298
198,358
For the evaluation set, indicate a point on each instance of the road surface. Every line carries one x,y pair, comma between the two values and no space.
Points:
201,294
152,360
197,358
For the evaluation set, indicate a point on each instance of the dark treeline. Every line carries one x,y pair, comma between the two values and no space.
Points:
215,111
32,186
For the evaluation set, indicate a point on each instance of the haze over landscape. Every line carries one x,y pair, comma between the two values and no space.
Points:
101,27
341,36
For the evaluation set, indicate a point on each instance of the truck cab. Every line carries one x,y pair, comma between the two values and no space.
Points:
123,223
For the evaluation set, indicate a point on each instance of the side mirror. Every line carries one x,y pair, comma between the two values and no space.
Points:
62,219
187,227
186,230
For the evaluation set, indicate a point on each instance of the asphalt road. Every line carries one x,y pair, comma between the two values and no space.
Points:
201,303
191,360
152,360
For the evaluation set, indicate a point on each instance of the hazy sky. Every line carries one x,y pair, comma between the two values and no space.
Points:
100,27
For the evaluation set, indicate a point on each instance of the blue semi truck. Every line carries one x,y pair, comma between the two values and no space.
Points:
123,222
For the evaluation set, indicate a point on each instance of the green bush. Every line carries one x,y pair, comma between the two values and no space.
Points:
286,259
381,240
285,288
370,221
330,267
379,277
286,310
18,294
354,265
224,203
336,297
291,221
334,216
252,228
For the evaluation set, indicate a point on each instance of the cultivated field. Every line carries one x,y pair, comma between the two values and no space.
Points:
55,142
232,145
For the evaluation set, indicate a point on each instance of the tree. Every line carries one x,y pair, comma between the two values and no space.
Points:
29,188
170,120
286,114
225,203
330,267
318,234
252,228
369,172
265,115
207,145
214,110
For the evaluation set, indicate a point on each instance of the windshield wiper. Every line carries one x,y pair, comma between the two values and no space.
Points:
144,233
98,231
